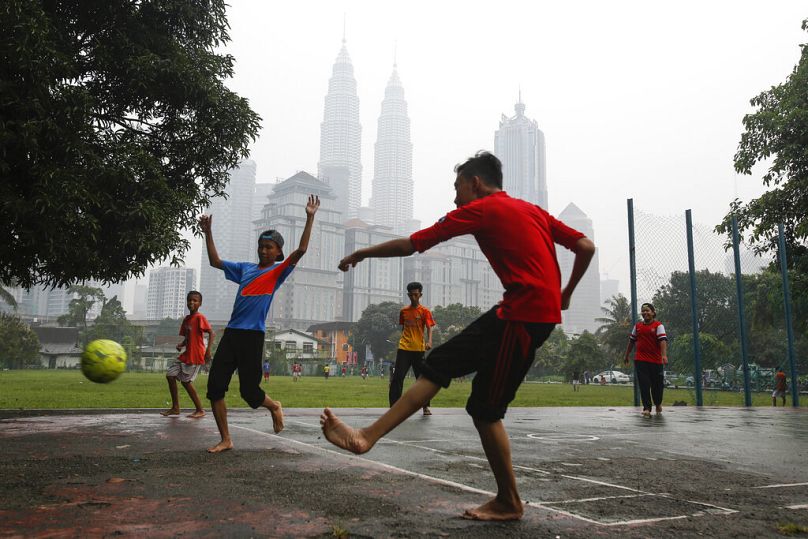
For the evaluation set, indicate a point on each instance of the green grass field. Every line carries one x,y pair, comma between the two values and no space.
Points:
59,389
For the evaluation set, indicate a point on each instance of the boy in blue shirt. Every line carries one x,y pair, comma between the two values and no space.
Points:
242,345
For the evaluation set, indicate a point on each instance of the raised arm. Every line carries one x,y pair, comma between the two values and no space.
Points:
584,250
311,208
205,223
398,247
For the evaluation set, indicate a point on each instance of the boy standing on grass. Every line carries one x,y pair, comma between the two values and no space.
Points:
187,366
242,345
416,337
518,239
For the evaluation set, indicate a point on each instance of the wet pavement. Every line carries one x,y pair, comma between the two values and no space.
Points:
583,471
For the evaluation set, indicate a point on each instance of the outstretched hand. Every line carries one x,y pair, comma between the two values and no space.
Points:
205,223
313,205
349,261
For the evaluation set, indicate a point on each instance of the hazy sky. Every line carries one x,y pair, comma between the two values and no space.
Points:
636,99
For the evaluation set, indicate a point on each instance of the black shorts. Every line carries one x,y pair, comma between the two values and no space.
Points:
499,351
241,349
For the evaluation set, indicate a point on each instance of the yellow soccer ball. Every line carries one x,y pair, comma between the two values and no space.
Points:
103,361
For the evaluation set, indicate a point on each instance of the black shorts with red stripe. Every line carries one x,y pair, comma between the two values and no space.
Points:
499,351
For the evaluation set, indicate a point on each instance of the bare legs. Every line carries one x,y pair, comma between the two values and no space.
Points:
175,399
220,413
505,506
361,440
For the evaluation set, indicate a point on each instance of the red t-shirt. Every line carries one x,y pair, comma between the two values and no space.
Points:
518,239
647,337
193,329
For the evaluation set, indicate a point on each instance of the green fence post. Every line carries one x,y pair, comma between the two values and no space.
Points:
783,256
747,391
694,312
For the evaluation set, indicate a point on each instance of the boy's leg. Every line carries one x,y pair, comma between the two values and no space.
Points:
199,412
361,440
249,376
175,398
416,369
276,411
400,372
506,505
220,414
658,386
644,381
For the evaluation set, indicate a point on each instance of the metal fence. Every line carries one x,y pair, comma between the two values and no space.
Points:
727,312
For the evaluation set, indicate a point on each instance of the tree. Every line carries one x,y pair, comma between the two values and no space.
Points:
378,327
79,307
451,320
551,357
19,345
584,353
6,297
117,130
777,134
615,327
714,353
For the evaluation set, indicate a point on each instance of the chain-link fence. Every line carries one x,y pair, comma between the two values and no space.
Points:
722,353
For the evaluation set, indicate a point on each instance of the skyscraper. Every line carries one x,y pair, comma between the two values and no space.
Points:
519,144
340,163
168,290
585,304
392,197
235,239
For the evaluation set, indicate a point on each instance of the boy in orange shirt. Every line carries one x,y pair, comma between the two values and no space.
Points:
415,320
187,366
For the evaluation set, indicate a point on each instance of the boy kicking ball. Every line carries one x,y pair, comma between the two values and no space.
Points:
518,239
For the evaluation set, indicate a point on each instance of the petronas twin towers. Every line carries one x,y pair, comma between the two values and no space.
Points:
340,162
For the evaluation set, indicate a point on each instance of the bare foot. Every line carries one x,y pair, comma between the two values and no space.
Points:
427,411
224,445
277,418
170,411
646,413
659,410
495,510
197,414
341,435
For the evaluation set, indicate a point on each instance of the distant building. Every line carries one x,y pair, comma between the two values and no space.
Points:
58,347
586,301
519,144
608,289
168,291
335,336
393,188
375,280
340,163
235,239
295,344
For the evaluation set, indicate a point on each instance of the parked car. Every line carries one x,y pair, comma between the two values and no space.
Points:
611,377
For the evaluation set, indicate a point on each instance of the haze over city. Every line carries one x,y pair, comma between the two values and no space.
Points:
634,99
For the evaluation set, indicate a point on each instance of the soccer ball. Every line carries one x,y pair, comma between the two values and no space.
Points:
103,361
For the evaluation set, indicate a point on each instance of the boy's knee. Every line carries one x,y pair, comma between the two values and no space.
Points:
254,398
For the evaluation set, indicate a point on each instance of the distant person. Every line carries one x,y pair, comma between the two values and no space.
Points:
518,238
780,384
416,338
186,367
265,368
650,359
326,371
242,346
587,377
575,380
296,368
344,370
364,373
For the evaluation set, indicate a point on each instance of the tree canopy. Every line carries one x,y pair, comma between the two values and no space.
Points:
117,129
451,320
776,134
19,345
378,327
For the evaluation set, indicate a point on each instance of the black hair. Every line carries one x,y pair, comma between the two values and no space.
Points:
650,306
485,165
415,285
194,293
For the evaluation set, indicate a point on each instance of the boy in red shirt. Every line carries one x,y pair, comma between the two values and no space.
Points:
416,337
518,239
651,358
187,366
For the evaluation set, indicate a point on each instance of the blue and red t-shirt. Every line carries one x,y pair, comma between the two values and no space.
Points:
518,239
648,337
256,289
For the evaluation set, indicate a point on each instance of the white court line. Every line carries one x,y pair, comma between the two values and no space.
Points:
783,485
480,491
800,506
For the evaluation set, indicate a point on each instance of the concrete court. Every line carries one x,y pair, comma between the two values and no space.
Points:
602,472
